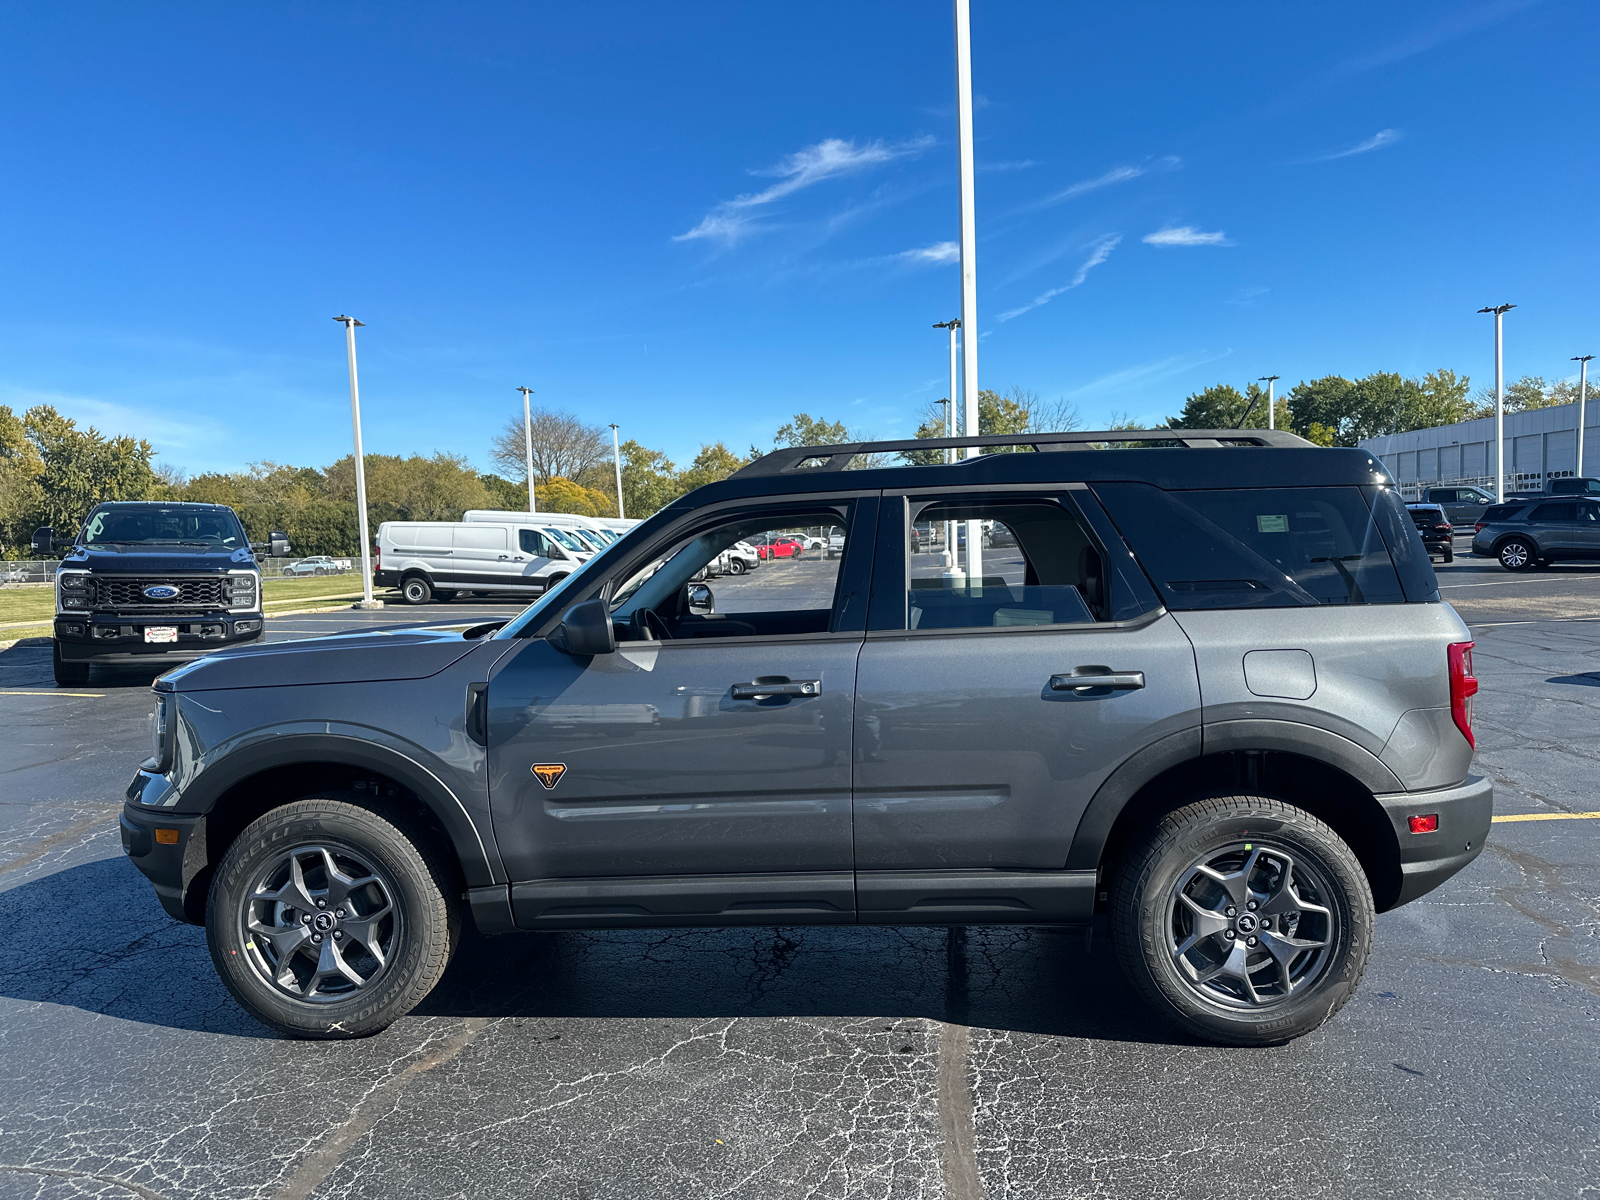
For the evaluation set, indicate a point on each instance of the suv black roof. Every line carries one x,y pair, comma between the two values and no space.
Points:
1170,458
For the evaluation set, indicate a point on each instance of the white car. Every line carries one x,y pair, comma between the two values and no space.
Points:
737,559
317,564
835,546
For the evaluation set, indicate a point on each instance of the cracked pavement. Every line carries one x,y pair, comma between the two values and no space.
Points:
813,1062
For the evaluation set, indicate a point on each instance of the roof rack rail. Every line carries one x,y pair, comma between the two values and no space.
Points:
837,458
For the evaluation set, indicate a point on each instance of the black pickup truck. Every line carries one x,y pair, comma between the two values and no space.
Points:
150,580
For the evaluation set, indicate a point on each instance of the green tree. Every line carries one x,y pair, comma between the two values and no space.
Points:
1220,406
504,494
1529,392
21,499
714,462
438,488
1443,401
806,430
649,480
82,468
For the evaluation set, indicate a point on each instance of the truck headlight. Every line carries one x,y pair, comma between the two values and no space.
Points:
161,736
72,590
242,590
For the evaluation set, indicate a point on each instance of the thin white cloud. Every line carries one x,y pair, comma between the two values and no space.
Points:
1185,235
939,252
157,426
1116,175
1384,137
1148,373
1020,164
1248,295
732,220
1458,24
1098,253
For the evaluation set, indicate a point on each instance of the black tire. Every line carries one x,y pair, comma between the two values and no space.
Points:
1517,554
415,589
1449,554
68,674
737,566
552,581
318,571
411,877
1323,897
444,594
799,553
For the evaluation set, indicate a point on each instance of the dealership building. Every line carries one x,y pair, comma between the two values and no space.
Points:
1541,444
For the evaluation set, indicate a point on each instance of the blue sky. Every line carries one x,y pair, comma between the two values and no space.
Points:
696,220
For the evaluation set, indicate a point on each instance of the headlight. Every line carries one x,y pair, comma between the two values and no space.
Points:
242,591
73,589
161,730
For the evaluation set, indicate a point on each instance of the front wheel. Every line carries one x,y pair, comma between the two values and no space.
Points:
327,921
1516,555
1243,919
68,674
737,566
1449,554
416,590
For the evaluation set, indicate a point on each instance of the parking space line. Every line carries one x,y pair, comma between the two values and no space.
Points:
1586,816
80,695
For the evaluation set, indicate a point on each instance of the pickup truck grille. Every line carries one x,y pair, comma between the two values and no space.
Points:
117,591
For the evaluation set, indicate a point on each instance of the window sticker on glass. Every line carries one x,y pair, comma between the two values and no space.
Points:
1272,523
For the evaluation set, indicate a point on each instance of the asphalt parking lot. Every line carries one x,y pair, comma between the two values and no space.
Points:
829,1062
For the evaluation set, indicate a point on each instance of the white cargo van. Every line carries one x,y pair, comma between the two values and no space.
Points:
517,554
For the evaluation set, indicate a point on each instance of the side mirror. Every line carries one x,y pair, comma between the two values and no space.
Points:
701,598
587,629
44,540
278,544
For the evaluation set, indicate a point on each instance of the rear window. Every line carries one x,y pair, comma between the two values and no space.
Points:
1256,547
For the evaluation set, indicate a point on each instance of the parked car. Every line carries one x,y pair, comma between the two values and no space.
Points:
1030,747
1435,530
781,547
835,547
1524,534
317,564
1462,504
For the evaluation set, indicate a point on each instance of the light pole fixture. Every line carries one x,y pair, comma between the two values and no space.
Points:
969,261
954,323
527,444
366,601
1272,419
1583,395
1499,311
616,458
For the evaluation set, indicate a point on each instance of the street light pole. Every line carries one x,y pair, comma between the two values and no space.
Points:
616,458
1499,312
527,444
1583,394
969,263
366,601
1272,419
952,570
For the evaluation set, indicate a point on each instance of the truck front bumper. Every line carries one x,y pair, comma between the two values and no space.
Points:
112,638
1464,815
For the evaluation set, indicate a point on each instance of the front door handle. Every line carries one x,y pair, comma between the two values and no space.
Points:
1084,679
761,689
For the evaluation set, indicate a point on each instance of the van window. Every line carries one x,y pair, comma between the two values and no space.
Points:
1256,547
535,543
566,539
480,537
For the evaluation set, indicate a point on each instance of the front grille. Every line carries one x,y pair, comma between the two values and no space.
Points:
118,591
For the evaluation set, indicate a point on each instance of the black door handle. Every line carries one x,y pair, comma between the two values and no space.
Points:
1085,679
763,688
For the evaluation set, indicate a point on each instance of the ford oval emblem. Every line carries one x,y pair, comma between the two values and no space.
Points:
161,591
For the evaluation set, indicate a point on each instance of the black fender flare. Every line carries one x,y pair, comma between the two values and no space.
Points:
1308,741
480,863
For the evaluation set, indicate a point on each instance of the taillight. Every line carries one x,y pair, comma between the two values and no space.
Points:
377,558
1463,687
1442,528
1478,528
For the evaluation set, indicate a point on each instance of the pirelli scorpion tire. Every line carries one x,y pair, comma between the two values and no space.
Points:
327,921
1243,919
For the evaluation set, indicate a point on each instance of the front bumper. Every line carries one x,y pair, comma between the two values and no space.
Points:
1428,859
171,864
111,638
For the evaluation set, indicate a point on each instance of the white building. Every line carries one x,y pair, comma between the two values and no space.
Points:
1540,444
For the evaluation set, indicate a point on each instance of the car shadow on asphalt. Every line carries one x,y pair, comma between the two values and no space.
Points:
1590,679
92,937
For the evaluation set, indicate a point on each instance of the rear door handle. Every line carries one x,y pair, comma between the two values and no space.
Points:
763,688
1083,679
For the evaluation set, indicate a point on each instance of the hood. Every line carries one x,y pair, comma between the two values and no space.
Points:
378,657
145,560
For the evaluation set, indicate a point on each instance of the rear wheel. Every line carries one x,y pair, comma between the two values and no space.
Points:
1243,919
319,571
1516,554
68,674
415,589
327,921
444,594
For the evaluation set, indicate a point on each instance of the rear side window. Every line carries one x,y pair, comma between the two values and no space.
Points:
1499,512
1256,547
1442,495
1554,512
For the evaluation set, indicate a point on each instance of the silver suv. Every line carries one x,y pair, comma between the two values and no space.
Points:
1200,682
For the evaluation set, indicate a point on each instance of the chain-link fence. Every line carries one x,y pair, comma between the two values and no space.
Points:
25,572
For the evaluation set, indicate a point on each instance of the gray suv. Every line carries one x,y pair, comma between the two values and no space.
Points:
1202,684
1524,534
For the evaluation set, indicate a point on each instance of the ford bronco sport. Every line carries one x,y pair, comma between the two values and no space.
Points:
1205,686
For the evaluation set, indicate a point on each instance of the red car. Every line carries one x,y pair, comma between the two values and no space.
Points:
782,547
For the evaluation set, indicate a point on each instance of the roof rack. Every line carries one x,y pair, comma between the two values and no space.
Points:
837,458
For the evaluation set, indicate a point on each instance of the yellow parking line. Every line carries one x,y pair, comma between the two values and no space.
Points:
1589,816
83,695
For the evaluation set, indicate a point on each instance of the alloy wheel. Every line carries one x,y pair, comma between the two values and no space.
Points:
320,923
1250,925
1515,555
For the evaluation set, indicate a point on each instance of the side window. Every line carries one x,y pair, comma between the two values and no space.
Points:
1037,566
1554,512
1257,547
533,542
709,581
1442,495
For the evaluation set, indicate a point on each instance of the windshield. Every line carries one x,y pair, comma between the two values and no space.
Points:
163,527
567,540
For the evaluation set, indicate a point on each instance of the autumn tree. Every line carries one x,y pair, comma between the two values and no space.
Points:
563,445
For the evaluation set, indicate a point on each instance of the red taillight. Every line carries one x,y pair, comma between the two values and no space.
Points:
1463,687
1442,528
1478,528
1427,824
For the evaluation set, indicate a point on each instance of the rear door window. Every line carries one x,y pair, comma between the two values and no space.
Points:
1256,547
1554,512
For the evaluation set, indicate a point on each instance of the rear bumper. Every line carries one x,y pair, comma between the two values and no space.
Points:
1428,859
112,638
386,578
